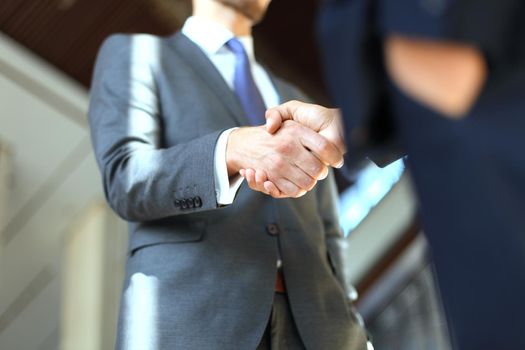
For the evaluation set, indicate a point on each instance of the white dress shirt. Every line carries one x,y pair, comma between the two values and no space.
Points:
211,37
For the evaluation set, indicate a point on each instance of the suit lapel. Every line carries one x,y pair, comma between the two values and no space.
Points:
204,68
284,91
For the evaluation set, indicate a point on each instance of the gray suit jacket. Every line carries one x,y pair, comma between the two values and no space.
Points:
201,276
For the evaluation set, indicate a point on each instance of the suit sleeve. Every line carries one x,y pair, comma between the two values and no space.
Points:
142,180
486,24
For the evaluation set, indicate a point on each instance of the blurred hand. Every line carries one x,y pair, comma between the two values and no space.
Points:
324,121
445,76
289,158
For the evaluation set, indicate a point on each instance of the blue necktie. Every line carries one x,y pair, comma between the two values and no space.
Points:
244,85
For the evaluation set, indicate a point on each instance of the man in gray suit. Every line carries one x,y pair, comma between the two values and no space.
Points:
213,264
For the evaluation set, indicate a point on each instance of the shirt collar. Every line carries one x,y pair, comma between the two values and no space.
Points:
211,36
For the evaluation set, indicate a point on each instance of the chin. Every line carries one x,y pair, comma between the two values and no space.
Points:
256,17
252,9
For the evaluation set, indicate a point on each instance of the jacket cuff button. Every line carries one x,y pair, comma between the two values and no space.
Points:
197,201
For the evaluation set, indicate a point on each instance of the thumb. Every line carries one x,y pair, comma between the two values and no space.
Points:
273,121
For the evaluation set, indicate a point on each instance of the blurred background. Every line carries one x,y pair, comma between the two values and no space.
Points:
62,251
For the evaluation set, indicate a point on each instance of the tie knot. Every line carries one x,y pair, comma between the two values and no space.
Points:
236,46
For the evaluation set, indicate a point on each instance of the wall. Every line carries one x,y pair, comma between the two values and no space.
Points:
54,182
5,172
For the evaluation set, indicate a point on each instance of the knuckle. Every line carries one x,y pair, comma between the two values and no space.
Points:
278,163
284,148
310,185
307,182
288,189
324,172
295,193
291,127
299,194
323,145
317,169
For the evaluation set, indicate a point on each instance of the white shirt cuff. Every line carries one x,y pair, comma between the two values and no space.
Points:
225,190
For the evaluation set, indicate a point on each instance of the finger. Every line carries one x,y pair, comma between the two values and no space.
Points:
310,115
260,178
295,183
273,190
277,115
273,120
250,178
301,179
324,174
242,172
295,175
288,188
334,132
311,165
255,179
323,149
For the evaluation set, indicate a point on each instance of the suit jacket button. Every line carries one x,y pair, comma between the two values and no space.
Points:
197,201
272,229
189,203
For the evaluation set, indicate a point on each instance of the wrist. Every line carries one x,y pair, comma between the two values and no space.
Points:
233,159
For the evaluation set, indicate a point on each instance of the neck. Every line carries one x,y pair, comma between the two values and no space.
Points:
236,22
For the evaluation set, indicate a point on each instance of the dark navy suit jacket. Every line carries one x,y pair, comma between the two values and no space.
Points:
469,173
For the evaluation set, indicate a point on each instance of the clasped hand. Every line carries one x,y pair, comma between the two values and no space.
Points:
286,157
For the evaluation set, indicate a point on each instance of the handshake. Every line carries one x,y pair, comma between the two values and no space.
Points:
287,156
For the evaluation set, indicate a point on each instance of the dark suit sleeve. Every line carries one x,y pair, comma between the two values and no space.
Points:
486,24
142,180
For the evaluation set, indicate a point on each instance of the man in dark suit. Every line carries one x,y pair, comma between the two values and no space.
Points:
212,264
445,79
